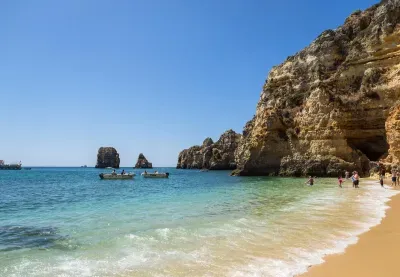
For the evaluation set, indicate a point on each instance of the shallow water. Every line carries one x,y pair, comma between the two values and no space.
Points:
68,222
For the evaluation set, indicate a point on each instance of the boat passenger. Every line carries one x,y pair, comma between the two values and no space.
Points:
123,172
114,173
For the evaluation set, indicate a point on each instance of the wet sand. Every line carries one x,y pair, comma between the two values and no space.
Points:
376,254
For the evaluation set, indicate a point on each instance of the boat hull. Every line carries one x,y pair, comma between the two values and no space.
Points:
116,176
155,175
10,167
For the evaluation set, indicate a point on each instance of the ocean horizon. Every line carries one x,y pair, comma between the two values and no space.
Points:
67,222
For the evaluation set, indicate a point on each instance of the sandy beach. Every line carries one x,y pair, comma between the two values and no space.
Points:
374,255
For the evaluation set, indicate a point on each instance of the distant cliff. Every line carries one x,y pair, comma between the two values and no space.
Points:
107,157
142,162
215,156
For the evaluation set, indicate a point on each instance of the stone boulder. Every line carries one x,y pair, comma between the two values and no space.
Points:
142,162
107,157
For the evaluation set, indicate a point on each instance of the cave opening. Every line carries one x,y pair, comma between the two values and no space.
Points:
373,147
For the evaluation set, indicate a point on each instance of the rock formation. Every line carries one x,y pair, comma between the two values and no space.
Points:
215,156
107,157
333,106
142,162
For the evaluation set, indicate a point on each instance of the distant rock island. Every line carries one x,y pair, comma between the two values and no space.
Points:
107,157
333,106
216,156
142,162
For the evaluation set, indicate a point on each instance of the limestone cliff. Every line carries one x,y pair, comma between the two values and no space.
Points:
107,157
215,156
333,106
142,162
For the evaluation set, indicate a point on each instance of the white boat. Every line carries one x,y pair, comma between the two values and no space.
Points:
155,175
111,176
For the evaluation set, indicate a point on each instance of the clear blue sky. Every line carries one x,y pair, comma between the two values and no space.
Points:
153,76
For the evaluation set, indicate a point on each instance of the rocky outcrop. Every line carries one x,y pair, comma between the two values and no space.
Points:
107,157
215,156
333,106
142,162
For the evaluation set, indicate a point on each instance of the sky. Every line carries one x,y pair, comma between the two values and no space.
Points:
150,76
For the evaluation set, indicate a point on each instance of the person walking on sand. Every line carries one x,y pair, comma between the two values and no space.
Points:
340,180
347,175
394,174
381,179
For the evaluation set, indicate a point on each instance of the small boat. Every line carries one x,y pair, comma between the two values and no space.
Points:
110,176
155,175
26,168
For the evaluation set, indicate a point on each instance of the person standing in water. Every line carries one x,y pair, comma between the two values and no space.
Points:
381,179
310,180
394,174
353,179
356,179
340,180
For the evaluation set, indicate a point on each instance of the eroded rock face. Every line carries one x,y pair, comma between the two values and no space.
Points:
215,156
334,105
107,157
142,162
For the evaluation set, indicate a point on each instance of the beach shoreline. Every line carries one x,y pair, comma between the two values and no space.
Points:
371,256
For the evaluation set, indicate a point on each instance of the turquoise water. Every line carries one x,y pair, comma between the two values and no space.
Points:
68,222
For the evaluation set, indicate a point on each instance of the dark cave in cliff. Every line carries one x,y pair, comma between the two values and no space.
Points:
373,147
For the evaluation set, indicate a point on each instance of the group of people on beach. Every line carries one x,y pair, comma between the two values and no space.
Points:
355,178
395,177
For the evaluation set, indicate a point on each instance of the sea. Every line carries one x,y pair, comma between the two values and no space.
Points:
68,222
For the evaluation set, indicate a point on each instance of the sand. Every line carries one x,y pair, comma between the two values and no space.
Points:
376,254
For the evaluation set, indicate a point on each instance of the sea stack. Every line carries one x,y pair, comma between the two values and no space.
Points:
142,162
215,156
107,157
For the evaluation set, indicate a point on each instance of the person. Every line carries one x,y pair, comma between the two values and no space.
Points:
381,179
394,177
123,172
340,180
353,179
310,180
114,173
357,179
145,172
347,175
398,178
